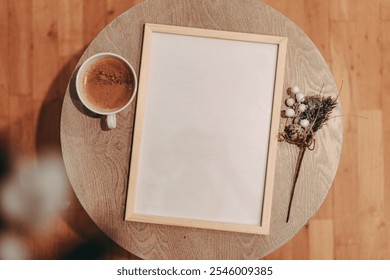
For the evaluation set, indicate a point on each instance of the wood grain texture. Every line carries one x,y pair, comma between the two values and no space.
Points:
321,239
370,169
115,8
351,199
70,33
342,10
45,42
94,18
385,10
385,84
344,208
20,25
99,177
4,69
22,125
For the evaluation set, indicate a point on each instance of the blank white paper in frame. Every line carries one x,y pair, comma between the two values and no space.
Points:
204,140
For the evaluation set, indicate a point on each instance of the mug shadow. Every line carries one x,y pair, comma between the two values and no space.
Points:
96,245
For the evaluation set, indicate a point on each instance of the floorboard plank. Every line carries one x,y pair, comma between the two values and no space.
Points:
4,69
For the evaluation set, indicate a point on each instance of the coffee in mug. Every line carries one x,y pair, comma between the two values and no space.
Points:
106,84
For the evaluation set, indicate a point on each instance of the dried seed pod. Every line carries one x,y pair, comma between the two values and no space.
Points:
299,97
304,123
290,113
295,90
290,102
302,108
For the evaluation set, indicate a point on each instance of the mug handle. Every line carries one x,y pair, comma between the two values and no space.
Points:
111,121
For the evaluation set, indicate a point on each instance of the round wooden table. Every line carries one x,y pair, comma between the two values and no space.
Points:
97,160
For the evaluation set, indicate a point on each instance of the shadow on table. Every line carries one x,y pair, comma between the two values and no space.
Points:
96,244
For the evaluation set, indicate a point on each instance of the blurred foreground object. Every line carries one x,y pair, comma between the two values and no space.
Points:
12,247
30,197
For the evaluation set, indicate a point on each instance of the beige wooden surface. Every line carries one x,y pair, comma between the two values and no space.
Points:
97,160
41,42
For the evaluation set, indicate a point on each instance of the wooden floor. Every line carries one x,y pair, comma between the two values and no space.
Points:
42,40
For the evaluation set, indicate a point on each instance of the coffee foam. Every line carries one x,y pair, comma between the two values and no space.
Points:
108,84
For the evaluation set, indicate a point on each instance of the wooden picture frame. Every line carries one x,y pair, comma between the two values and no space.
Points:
205,135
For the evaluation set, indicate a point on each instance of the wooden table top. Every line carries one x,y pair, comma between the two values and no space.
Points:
97,161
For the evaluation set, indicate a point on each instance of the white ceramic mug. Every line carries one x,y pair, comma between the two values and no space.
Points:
110,114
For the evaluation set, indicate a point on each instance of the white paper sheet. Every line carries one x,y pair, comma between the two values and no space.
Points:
206,129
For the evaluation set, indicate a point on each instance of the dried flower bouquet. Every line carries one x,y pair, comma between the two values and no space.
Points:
304,115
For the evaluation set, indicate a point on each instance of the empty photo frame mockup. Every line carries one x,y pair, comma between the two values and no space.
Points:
205,135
